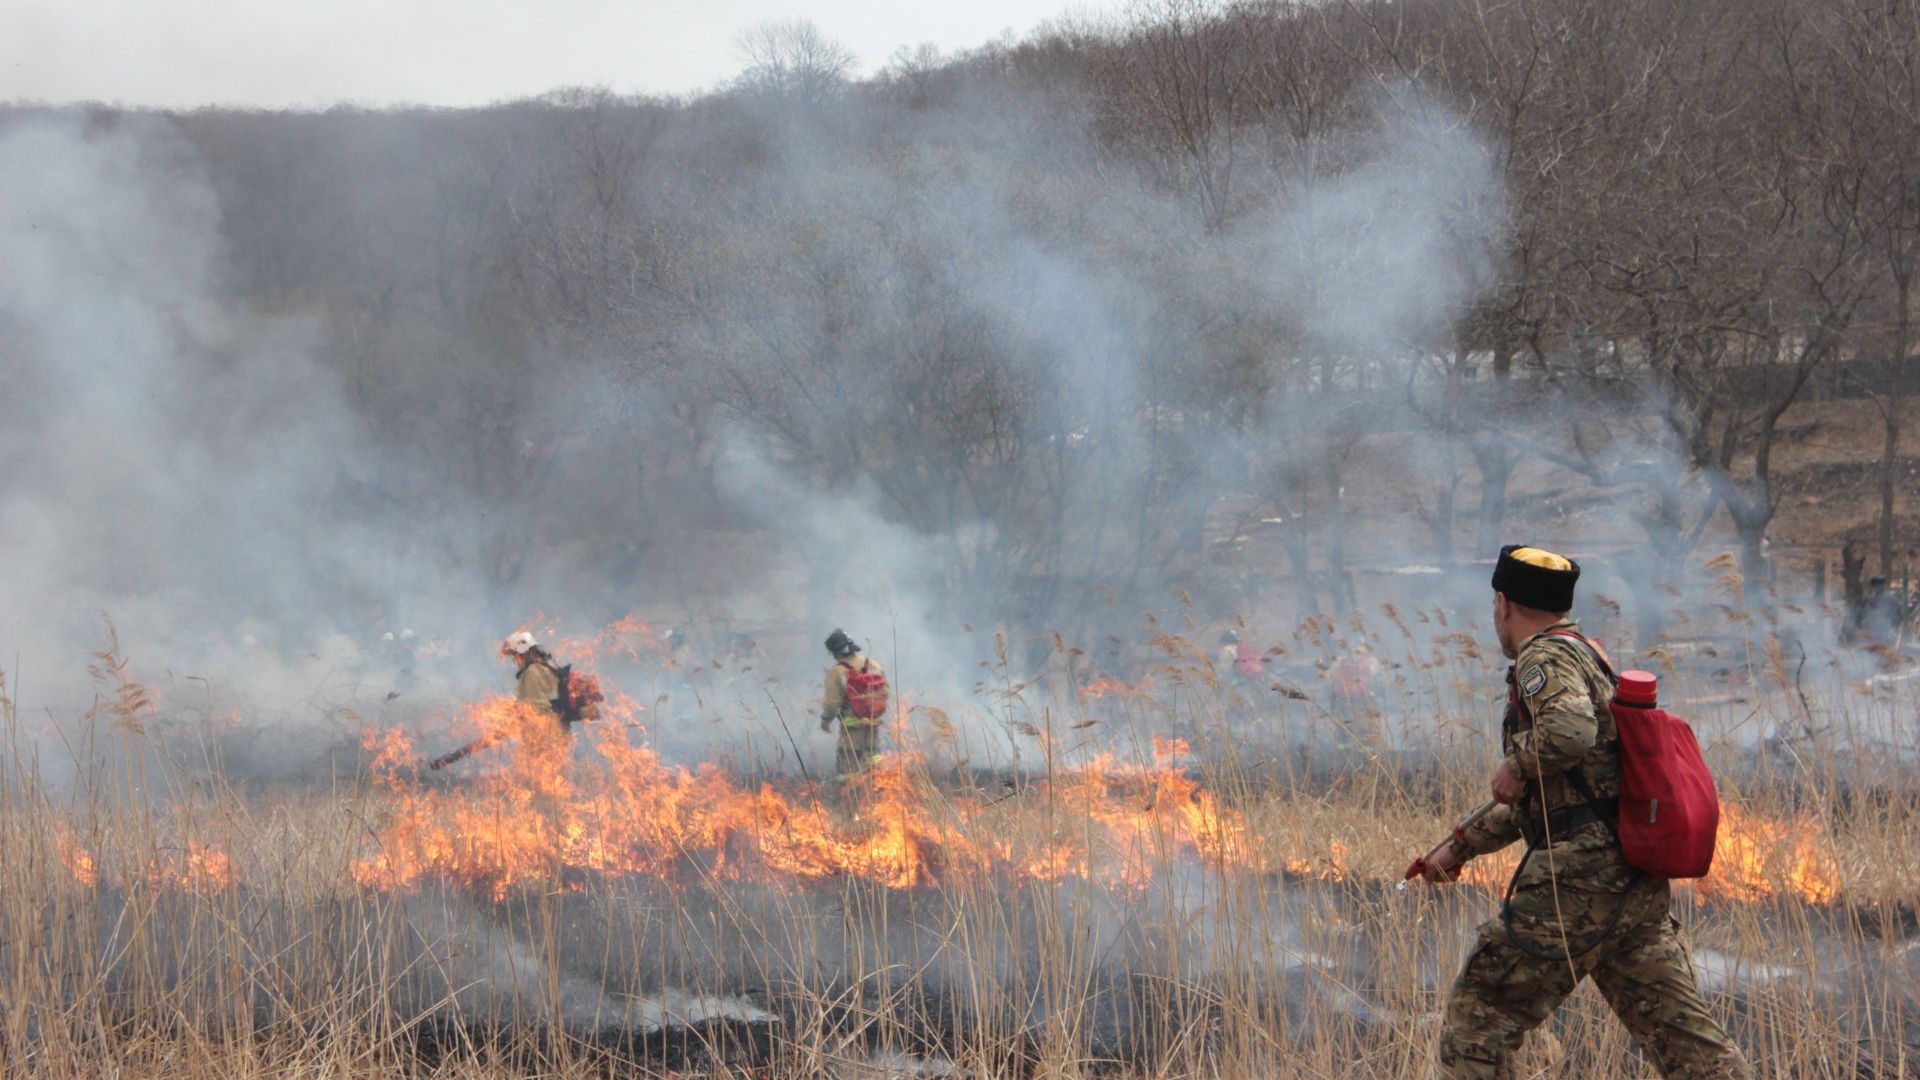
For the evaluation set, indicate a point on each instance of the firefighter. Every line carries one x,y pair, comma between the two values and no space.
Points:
1229,654
398,653
537,682
675,652
1577,909
854,699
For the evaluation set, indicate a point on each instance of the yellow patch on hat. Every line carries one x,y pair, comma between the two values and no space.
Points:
1546,560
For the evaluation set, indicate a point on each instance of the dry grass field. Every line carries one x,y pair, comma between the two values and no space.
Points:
1179,883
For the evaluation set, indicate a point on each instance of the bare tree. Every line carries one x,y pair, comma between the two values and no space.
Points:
1185,79
1868,63
793,59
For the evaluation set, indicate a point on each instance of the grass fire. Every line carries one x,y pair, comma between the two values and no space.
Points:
1209,891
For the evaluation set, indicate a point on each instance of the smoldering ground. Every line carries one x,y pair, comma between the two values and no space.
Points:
640,957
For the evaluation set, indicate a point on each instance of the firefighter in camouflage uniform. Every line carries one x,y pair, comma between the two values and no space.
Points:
1576,909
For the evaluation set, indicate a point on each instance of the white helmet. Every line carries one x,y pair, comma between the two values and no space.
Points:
521,643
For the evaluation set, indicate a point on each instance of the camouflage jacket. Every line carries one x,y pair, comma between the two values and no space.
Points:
1557,717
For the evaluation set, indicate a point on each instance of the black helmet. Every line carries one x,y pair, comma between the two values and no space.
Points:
839,644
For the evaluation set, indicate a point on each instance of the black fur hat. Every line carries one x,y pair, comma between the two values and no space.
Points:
1536,578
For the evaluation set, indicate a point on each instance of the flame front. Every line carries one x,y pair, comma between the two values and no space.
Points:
195,867
542,813
537,812
200,868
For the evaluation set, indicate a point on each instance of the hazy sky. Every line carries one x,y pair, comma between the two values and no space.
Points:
444,52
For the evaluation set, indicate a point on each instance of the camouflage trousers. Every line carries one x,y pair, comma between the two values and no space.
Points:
859,746
1642,969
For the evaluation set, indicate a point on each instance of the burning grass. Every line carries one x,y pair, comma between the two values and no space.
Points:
579,907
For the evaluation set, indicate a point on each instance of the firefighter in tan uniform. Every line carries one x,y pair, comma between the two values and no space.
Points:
1576,908
859,745
537,682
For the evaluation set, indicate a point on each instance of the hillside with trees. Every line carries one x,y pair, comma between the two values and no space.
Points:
1046,322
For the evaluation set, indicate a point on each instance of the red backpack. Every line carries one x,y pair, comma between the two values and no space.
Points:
866,691
1246,661
1669,809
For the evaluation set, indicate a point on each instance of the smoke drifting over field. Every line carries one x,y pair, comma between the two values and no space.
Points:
171,456
196,466
923,365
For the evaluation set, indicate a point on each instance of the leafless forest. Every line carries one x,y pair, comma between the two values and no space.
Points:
1019,322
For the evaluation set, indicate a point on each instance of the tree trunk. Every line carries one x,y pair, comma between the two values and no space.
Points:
1890,450
1753,510
1441,520
1665,524
1750,525
1293,540
1495,460
1853,564
1341,582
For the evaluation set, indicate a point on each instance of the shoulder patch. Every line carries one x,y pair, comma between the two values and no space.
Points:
1533,680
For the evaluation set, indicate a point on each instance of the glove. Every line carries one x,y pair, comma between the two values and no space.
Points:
826,723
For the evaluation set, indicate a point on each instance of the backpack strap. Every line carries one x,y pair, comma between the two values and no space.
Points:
564,707
1579,781
1585,789
1592,650
1574,775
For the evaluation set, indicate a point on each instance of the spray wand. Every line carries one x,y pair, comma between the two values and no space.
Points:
1419,866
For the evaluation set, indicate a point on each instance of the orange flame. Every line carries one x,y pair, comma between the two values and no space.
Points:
1756,858
78,861
1167,749
625,637
542,813
1100,688
1332,866
1759,858
201,868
